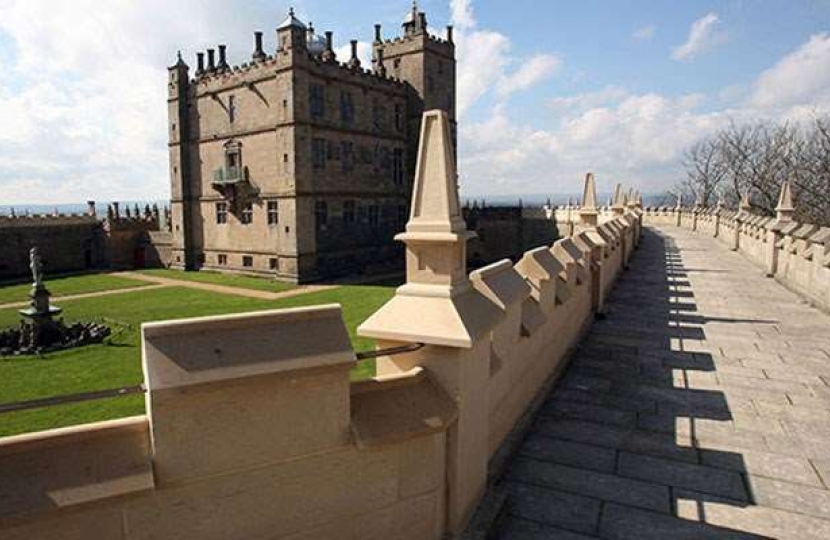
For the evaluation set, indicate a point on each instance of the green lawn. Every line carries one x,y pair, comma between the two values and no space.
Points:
98,367
63,286
230,280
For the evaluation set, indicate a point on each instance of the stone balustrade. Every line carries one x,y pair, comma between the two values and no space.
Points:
254,430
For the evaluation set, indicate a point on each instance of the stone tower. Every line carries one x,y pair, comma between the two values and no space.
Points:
178,84
426,63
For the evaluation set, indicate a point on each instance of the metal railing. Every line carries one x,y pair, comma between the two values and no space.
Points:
230,175
140,389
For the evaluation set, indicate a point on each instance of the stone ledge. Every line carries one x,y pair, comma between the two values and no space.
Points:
392,409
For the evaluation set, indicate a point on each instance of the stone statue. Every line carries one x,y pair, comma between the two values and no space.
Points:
37,268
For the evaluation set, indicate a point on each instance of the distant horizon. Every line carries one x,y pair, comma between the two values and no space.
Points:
532,199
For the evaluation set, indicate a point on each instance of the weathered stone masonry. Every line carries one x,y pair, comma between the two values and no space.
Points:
295,164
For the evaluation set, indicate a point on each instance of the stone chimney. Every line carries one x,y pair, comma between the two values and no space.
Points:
354,61
116,207
378,35
200,64
90,208
588,211
449,311
784,210
328,54
259,54
223,61
211,67
449,33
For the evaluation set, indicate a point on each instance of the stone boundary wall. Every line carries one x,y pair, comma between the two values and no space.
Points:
254,429
795,254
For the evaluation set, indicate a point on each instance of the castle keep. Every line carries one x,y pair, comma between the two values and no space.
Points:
296,164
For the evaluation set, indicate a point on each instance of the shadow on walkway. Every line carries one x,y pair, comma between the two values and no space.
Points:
640,440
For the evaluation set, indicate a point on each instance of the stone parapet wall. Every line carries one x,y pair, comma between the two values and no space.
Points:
796,254
253,429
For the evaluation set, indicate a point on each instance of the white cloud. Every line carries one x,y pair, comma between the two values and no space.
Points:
803,76
82,101
588,100
531,72
703,36
634,138
461,14
645,33
485,62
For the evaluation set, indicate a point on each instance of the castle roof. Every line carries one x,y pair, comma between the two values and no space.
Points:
291,21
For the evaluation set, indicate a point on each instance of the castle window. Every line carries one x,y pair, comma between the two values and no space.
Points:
397,166
317,101
232,108
221,213
333,151
347,155
247,216
318,153
348,212
222,259
321,213
373,215
272,263
346,108
399,117
378,114
273,213
247,261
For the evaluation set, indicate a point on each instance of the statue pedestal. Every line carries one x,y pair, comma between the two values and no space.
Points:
40,310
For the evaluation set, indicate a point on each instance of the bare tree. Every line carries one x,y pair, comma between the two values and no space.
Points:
756,159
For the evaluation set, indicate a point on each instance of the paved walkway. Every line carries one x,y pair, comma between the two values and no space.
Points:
79,296
699,408
161,282
226,289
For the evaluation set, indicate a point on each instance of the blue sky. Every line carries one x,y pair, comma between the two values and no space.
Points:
547,90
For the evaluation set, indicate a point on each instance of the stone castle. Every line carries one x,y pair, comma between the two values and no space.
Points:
299,164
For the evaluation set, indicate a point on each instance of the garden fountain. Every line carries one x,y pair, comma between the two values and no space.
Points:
39,331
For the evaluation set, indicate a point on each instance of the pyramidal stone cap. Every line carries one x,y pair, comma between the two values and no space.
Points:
438,304
589,195
785,199
436,212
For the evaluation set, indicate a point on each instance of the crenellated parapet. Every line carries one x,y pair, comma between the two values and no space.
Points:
796,254
254,430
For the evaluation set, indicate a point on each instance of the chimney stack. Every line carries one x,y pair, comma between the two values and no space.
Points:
354,61
328,54
223,62
449,33
422,18
259,54
200,64
211,67
117,210
90,208
378,37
